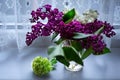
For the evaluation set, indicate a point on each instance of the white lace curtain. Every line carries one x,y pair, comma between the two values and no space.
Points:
15,14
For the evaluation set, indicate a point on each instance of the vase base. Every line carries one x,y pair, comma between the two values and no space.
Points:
74,66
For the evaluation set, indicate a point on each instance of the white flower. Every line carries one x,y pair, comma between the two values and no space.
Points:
90,15
87,17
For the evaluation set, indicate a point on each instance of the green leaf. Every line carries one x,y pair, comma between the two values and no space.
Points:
59,41
71,55
54,35
57,52
81,35
69,16
54,51
62,60
76,45
99,30
53,61
105,51
86,53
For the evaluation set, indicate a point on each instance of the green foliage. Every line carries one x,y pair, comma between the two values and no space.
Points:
54,35
64,54
99,31
54,51
69,16
105,51
59,41
63,60
81,35
53,61
87,53
72,55
41,66
57,52
76,45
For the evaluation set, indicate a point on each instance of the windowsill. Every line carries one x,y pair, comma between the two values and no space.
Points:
16,65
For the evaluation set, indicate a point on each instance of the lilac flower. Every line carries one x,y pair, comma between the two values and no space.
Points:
95,42
108,30
67,30
36,31
94,26
40,29
48,7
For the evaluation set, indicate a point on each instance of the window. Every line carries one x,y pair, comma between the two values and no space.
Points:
15,14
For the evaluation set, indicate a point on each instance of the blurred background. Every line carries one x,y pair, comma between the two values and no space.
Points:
15,14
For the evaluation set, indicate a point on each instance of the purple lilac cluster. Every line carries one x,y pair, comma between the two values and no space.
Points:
94,26
95,42
40,29
66,31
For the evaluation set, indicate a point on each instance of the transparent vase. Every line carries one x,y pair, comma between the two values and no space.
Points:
74,66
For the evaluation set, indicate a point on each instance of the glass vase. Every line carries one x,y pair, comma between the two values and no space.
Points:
74,66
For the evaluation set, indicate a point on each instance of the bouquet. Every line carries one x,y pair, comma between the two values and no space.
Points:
76,36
